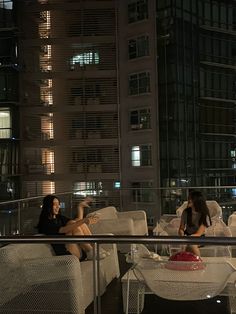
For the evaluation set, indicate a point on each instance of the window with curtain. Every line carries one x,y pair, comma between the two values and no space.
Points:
5,123
141,155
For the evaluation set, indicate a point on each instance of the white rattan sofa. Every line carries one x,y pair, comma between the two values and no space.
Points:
34,280
120,223
130,223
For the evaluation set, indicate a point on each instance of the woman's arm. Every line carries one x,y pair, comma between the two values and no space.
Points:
181,229
82,205
182,224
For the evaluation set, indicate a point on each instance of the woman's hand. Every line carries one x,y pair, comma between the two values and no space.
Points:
86,202
82,205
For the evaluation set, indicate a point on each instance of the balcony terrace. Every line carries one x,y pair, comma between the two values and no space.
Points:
19,217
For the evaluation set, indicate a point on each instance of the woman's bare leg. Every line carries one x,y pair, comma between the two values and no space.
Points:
193,249
74,248
85,229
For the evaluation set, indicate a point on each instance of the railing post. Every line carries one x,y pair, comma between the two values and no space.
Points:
96,279
95,286
18,231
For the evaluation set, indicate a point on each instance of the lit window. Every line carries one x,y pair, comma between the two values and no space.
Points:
117,184
48,161
136,156
6,4
5,123
233,153
84,58
141,155
140,119
87,188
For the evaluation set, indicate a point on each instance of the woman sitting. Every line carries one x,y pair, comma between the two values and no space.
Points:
195,219
52,222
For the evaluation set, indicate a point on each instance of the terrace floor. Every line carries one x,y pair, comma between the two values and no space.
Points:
111,301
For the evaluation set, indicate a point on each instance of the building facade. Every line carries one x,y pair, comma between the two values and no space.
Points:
69,98
196,70
122,99
9,121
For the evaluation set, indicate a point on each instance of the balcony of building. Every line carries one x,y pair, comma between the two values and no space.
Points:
206,286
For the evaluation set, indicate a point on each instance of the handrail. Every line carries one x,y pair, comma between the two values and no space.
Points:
120,239
126,189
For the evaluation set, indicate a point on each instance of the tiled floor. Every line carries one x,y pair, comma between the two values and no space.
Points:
111,301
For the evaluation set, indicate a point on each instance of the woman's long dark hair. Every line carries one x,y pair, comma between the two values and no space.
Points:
46,209
200,206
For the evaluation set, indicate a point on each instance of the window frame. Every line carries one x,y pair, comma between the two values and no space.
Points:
139,83
141,155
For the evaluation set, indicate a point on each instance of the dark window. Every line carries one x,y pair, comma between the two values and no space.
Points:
139,83
138,47
140,119
137,11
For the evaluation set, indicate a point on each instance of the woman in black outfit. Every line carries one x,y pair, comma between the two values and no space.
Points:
51,222
195,219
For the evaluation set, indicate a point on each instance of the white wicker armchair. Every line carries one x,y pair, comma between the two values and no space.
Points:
120,223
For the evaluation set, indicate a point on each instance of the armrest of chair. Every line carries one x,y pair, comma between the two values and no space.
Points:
56,278
52,269
115,226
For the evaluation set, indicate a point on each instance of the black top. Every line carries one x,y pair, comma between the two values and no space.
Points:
51,227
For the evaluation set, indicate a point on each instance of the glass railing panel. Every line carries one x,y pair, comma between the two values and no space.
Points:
160,205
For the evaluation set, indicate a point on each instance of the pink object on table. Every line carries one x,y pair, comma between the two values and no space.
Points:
185,261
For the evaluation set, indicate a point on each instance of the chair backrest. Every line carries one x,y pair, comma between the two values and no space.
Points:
218,229
109,212
232,219
214,209
172,227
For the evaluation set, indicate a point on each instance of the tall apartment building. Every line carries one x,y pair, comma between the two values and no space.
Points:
197,99
69,98
136,95
177,103
9,128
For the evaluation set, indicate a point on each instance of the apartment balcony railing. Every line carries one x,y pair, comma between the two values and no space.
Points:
21,216
210,278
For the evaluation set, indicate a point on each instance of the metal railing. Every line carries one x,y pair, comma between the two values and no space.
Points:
97,240
20,216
